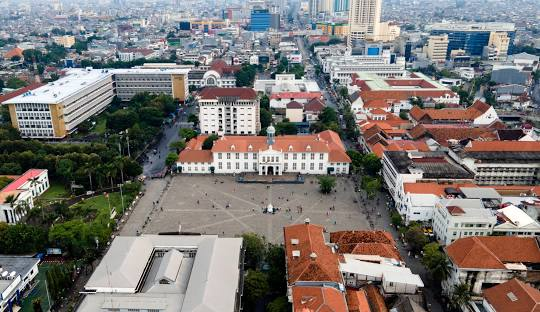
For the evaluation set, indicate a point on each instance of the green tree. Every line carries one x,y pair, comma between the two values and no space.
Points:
255,288
371,185
121,120
328,115
193,118
460,296
280,304
436,261
343,92
16,83
255,246
21,238
65,168
372,164
416,238
404,115
286,127
356,159
396,219
265,117
171,159
209,142
245,76
275,258
187,133
327,184
265,102
152,116
178,145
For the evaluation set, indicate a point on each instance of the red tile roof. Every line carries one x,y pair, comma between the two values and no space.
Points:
449,114
20,91
357,300
318,299
193,152
294,105
14,52
491,252
513,296
316,262
378,243
27,176
376,299
315,105
211,93
503,146
445,132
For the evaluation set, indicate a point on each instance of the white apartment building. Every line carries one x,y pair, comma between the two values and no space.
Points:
364,19
341,68
437,48
323,153
285,83
55,110
455,218
503,162
229,111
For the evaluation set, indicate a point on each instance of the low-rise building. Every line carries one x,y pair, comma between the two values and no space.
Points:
225,111
455,218
17,198
342,68
511,296
285,83
484,261
54,110
16,278
400,167
503,162
322,153
478,114
170,273
513,221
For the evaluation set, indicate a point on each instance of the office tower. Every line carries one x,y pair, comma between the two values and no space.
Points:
364,19
341,6
260,20
473,37
437,48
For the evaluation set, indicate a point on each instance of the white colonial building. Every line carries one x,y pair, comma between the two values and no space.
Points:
17,198
322,153
229,111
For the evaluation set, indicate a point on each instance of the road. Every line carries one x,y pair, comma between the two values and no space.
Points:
156,161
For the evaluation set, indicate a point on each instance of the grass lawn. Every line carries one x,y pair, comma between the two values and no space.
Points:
55,191
101,125
38,292
101,204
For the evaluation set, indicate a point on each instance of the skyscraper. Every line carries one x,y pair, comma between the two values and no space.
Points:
364,19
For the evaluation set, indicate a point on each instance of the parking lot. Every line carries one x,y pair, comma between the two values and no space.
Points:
220,205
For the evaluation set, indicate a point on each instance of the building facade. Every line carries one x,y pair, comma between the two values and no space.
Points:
323,153
261,20
55,110
341,68
472,37
437,48
229,111
364,19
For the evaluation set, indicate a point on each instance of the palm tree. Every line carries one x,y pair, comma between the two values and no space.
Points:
460,296
441,268
10,199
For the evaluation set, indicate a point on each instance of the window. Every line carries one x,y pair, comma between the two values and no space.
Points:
228,155
286,167
311,166
245,155
312,156
220,165
303,166
321,156
294,156
254,166
219,155
320,166
237,166
237,155
286,156
303,156
294,166
228,165
246,166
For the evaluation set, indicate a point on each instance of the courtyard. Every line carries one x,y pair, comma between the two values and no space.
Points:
220,205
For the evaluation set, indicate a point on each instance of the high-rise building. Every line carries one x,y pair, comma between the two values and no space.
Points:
341,6
260,20
364,19
473,37
437,48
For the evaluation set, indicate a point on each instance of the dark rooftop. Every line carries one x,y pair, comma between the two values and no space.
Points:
434,165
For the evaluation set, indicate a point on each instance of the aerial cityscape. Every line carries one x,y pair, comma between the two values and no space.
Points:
270,156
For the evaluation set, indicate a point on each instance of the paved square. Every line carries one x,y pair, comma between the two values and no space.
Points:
219,205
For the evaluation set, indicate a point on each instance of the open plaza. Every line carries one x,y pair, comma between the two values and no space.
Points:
220,205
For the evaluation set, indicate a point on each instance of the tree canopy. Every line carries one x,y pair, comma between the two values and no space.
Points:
327,184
